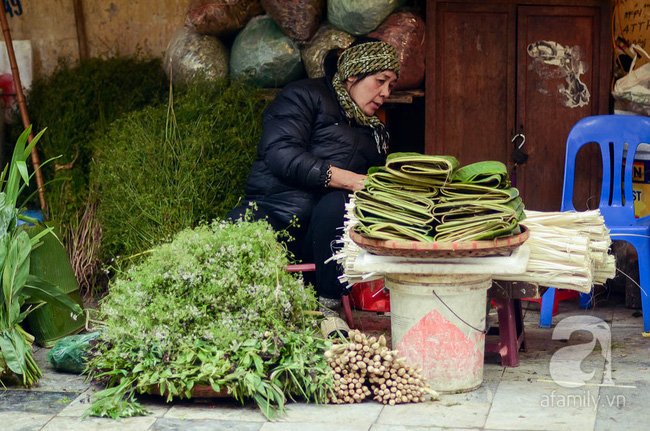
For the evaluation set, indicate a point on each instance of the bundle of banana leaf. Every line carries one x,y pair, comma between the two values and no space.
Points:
428,198
397,201
568,250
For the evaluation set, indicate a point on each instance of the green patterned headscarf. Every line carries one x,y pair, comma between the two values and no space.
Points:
370,57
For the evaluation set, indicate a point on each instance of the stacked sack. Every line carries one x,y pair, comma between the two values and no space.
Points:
273,42
427,198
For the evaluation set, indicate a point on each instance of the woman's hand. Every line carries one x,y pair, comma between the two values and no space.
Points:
348,180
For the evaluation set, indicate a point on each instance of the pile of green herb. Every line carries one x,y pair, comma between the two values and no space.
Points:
215,306
75,103
167,167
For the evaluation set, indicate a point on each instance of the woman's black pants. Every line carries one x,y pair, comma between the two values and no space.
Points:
315,242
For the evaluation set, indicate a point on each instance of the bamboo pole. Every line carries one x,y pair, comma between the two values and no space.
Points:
22,105
81,30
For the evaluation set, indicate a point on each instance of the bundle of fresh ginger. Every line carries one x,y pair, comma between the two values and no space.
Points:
364,366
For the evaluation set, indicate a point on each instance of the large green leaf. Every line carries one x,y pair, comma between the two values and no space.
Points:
16,267
386,181
22,169
13,316
389,230
35,238
416,209
28,150
14,360
490,173
45,291
421,168
13,177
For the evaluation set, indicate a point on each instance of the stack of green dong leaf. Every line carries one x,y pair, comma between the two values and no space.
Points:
429,198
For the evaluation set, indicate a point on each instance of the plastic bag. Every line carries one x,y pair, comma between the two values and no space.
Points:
69,353
190,54
221,17
634,88
324,40
298,19
405,31
359,17
264,55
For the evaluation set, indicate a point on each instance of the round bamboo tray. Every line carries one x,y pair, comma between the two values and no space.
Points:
439,249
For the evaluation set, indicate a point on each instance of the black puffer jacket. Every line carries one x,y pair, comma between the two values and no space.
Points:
305,131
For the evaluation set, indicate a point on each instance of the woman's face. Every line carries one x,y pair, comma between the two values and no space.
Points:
371,92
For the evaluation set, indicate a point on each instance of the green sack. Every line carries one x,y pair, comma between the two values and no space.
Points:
264,55
69,353
359,17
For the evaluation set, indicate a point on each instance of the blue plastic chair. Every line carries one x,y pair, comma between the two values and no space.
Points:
618,137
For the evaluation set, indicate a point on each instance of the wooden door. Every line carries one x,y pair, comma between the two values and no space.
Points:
558,83
483,87
471,81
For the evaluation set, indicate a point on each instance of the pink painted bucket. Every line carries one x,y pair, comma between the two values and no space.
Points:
437,321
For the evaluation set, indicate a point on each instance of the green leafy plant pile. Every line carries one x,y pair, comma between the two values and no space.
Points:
16,282
167,167
77,102
213,307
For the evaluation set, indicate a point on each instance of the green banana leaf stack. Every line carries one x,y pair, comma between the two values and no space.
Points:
418,197
398,199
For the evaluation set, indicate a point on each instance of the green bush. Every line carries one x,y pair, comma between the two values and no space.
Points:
165,168
77,102
220,311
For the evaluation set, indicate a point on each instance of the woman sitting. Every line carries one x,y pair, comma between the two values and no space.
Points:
319,138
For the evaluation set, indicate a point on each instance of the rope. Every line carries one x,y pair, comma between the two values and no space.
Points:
484,331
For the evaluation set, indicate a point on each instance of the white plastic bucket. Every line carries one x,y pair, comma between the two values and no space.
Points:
437,321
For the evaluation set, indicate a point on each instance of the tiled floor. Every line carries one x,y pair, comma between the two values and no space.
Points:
522,398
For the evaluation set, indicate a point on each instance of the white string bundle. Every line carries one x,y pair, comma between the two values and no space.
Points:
568,250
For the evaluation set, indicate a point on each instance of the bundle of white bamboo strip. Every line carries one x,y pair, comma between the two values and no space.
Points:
568,250
349,252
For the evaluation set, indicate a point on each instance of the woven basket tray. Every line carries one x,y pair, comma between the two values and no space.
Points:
492,247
